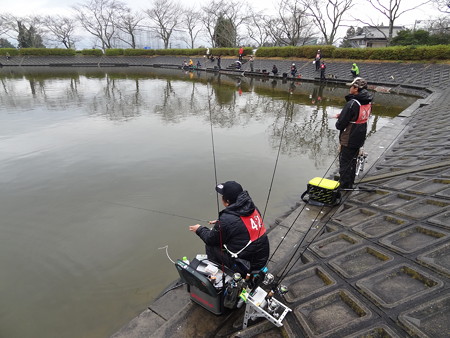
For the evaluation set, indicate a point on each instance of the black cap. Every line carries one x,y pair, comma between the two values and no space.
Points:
230,190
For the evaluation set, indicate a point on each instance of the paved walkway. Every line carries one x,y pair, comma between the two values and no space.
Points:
381,265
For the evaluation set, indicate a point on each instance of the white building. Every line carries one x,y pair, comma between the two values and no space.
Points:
374,37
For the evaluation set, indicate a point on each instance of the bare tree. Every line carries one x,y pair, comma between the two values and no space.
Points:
442,5
231,11
327,15
165,18
257,31
209,18
191,20
292,26
100,18
391,9
129,24
439,25
5,23
30,28
62,30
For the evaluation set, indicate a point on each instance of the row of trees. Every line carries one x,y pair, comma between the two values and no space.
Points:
221,23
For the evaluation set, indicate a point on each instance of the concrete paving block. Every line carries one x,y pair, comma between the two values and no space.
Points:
331,312
172,301
430,186
335,244
190,321
428,320
307,282
344,207
437,258
282,243
441,150
376,331
391,287
303,217
331,228
423,208
403,182
444,193
380,226
140,326
442,219
414,237
432,142
409,151
368,197
393,201
445,173
355,217
416,161
262,329
357,262
299,263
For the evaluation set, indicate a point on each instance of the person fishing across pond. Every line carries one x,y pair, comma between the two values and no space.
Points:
238,238
274,70
241,53
355,70
317,59
352,126
323,68
293,70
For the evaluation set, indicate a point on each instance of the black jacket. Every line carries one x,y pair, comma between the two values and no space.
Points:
234,233
353,135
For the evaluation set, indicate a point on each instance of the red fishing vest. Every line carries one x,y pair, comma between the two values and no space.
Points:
364,112
254,225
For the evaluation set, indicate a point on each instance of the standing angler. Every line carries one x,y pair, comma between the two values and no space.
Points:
352,124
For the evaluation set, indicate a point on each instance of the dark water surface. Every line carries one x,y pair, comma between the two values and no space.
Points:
96,166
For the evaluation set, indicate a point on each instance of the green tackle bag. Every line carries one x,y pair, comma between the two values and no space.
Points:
322,192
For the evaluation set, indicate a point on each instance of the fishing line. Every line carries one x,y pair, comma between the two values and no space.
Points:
167,253
275,167
212,144
278,154
158,211
301,210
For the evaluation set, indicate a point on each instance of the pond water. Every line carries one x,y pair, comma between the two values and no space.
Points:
100,169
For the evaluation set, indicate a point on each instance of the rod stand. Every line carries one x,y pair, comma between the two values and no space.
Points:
258,307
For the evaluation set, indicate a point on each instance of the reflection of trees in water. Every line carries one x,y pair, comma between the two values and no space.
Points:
118,103
232,101
306,131
180,101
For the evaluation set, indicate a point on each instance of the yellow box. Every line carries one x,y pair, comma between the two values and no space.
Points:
324,183
322,191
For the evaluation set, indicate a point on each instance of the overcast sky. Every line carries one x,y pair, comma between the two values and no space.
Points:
361,10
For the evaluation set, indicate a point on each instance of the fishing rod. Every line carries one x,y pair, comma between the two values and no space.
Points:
216,182
158,211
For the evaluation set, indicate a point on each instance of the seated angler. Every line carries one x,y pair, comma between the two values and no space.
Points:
238,239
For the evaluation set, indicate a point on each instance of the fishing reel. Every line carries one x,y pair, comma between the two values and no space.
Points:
360,161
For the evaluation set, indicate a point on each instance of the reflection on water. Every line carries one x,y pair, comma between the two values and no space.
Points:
99,169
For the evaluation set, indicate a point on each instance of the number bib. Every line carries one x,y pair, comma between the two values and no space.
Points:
254,225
